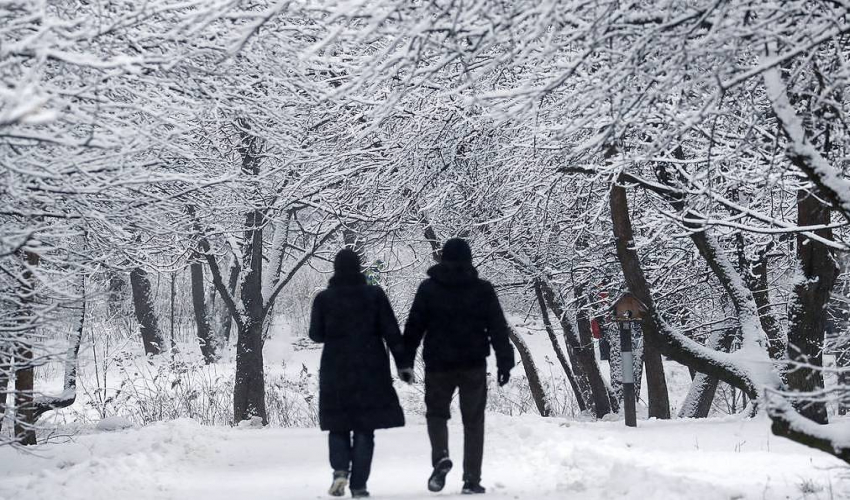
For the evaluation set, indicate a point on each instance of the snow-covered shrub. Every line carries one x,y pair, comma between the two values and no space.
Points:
293,402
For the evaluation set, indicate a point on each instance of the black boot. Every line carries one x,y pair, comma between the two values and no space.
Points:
362,493
470,488
340,481
438,477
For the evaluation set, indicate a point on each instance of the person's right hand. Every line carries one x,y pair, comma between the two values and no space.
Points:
406,375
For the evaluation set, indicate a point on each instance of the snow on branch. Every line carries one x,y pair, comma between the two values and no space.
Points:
831,438
800,150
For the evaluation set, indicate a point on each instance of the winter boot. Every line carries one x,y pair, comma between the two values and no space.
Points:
438,478
337,488
363,493
470,488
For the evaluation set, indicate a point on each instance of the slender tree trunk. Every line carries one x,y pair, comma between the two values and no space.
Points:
171,315
226,320
45,404
204,332
703,388
433,241
615,361
582,358
842,362
656,382
559,353
25,371
757,282
585,337
807,315
116,293
24,394
148,326
538,393
5,372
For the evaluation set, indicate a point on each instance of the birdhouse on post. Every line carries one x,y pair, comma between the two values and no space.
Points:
628,310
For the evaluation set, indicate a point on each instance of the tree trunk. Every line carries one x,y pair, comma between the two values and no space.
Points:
757,282
24,395
249,389
204,332
538,393
433,241
807,315
5,372
656,382
226,321
588,376
148,326
24,370
703,388
45,404
604,394
116,293
842,362
559,353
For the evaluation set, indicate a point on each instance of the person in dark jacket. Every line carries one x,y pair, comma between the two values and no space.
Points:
356,394
460,318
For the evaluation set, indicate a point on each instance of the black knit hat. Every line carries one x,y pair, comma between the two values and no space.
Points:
456,250
347,262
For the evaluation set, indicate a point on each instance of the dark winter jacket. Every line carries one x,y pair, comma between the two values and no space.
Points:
356,391
460,318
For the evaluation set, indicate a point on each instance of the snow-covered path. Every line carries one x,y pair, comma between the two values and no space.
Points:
526,458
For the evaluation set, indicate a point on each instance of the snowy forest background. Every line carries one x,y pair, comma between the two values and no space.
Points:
177,175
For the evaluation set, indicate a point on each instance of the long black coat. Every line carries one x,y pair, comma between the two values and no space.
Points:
355,385
460,317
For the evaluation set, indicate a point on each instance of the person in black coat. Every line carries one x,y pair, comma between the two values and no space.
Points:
356,394
460,317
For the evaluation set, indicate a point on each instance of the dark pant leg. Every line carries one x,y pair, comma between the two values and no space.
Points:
361,458
439,389
473,402
339,445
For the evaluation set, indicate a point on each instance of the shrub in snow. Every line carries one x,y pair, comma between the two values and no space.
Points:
251,423
114,423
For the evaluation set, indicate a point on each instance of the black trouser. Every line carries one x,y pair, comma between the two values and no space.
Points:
439,389
354,455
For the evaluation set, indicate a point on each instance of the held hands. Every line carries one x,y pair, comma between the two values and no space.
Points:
503,377
406,375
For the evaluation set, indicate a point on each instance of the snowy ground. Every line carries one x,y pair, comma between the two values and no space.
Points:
526,458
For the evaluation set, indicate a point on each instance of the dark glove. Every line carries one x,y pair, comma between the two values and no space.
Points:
406,375
503,377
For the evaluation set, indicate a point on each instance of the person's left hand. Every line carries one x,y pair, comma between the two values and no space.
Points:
503,377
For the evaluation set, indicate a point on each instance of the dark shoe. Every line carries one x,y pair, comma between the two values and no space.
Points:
437,481
337,488
359,493
472,489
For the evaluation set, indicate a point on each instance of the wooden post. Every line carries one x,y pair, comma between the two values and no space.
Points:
628,310
627,366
